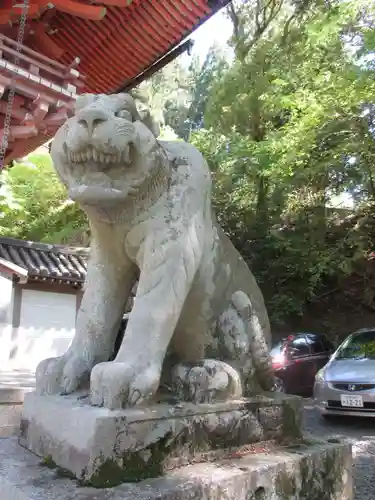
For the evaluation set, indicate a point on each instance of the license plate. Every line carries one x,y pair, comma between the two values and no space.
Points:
351,401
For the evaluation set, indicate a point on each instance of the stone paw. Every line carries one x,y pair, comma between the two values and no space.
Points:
48,375
64,374
116,385
75,374
206,382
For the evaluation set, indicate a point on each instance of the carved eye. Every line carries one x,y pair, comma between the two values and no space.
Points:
126,115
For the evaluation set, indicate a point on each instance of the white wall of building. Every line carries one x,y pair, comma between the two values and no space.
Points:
6,294
46,328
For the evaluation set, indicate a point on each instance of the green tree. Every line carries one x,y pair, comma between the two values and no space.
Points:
178,94
291,124
35,205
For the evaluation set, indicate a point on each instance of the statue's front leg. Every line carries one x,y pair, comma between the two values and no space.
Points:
107,289
134,376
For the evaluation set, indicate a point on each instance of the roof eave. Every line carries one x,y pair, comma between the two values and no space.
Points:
173,52
13,270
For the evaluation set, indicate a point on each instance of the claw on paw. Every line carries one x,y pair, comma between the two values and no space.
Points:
116,385
64,374
48,375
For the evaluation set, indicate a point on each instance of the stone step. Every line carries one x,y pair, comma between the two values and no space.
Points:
141,442
310,471
14,384
10,419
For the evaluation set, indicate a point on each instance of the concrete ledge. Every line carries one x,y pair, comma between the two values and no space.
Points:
305,472
104,448
14,384
11,395
10,420
11,404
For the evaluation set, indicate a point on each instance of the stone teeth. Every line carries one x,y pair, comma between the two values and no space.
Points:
97,156
126,154
85,155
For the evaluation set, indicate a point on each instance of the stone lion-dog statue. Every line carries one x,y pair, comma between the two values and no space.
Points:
149,207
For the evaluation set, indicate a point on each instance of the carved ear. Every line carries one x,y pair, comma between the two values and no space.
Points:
149,122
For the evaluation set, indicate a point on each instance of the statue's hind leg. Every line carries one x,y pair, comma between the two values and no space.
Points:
262,371
240,362
214,372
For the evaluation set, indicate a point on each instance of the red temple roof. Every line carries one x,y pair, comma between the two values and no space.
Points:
118,43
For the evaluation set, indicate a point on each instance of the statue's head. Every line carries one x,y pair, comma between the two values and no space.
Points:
101,152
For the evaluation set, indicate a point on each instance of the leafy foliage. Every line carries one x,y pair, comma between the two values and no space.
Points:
290,126
178,94
35,205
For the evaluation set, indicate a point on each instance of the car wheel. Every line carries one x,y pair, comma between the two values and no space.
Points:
279,385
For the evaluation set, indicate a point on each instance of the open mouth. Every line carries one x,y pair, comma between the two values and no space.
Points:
91,154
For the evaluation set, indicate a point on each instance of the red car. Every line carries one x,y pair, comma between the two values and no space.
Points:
297,359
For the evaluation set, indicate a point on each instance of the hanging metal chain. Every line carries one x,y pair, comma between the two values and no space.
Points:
12,89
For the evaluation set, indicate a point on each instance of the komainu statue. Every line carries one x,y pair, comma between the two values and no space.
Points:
198,325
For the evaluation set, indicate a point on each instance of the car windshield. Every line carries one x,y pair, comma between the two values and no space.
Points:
358,346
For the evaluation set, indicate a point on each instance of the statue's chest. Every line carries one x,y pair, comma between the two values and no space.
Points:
141,236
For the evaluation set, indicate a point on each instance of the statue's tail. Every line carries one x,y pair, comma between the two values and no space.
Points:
258,346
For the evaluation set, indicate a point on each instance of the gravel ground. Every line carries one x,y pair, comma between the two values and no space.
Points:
361,433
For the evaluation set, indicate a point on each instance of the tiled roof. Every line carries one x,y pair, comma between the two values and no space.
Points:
46,262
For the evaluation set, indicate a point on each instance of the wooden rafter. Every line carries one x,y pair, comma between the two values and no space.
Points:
45,91
11,10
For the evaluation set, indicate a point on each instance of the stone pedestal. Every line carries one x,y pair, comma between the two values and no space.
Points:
103,448
310,471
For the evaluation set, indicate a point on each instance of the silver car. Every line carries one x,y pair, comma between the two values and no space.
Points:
346,385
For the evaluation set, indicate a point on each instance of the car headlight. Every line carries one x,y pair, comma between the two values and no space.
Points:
319,377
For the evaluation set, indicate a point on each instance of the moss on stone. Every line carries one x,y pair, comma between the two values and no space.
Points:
291,421
60,471
320,483
131,467
108,474
48,462
285,486
316,480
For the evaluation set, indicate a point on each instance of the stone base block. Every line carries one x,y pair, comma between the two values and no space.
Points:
103,448
10,419
314,471
13,387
